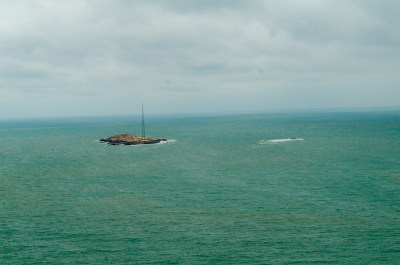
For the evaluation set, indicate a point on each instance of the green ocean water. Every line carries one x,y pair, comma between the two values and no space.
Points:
221,192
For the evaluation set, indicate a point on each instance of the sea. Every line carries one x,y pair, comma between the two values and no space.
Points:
263,188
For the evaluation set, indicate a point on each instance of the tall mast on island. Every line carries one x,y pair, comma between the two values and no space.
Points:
143,128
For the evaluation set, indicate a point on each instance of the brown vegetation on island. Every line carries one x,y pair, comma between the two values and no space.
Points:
130,139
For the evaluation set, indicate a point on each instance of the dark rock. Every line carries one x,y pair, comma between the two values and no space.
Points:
130,139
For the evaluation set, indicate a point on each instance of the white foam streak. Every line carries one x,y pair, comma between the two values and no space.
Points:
167,141
280,140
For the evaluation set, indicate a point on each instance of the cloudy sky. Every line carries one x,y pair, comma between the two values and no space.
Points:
103,57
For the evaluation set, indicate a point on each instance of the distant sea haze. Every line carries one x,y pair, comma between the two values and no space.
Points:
276,188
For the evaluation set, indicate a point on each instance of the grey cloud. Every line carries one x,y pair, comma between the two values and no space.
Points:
185,50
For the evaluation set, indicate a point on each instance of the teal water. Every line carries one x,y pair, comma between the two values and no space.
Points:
220,193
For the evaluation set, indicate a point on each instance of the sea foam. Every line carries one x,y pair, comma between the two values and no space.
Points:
167,141
280,140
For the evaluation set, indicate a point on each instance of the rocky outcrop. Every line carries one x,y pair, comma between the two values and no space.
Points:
130,139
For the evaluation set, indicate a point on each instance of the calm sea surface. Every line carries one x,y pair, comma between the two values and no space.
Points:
221,192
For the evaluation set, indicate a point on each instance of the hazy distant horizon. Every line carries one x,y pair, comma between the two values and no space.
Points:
95,58
210,114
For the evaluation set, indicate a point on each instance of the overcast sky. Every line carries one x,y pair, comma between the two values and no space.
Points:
79,58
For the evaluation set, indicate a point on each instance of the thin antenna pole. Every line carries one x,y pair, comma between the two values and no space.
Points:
143,128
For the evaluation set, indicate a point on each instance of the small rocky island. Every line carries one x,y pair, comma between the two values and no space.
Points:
130,139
